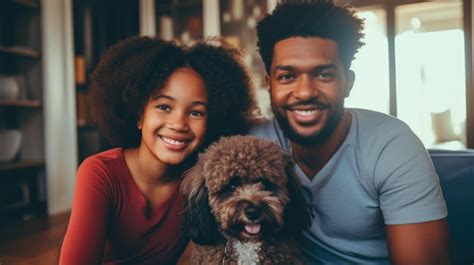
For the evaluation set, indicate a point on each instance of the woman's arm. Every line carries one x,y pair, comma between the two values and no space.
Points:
85,237
185,258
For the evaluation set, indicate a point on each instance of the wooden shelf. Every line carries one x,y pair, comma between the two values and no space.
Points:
27,3
176,6
23,103
20,51
28,164
81,124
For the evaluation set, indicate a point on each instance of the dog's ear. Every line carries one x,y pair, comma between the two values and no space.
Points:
298,214
197,220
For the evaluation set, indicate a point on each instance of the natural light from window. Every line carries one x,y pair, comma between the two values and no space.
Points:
430,70
371,87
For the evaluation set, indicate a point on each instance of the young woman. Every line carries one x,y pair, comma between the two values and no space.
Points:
160,103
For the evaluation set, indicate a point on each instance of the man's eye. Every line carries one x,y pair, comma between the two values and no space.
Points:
164,107
326,76
285,77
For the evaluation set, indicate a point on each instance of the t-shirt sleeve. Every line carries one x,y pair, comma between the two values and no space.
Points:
406,181
84,241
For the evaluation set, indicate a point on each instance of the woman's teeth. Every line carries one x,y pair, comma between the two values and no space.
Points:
172,141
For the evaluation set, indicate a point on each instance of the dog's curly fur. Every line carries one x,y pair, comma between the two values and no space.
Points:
243,204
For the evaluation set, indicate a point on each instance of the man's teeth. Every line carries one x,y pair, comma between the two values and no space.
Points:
173,142
306,112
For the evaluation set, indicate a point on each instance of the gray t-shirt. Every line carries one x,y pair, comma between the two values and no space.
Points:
381,174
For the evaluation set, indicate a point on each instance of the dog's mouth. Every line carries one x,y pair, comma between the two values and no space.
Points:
252,229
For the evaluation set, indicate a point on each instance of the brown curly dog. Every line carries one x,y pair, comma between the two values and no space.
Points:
244,204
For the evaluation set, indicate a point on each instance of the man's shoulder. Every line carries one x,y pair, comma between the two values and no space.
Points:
374,118
264,128
375,123
267,128
377,135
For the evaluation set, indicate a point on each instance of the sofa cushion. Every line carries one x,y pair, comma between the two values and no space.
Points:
456,173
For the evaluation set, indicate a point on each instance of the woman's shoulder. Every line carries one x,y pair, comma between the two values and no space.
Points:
103,164
103,158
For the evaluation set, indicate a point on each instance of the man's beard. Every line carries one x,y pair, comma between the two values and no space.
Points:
308,140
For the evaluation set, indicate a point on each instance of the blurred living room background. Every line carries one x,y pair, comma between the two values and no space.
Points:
416,65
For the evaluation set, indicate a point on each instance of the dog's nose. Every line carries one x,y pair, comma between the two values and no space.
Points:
253,212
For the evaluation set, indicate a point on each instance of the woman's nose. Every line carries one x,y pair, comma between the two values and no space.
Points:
178,122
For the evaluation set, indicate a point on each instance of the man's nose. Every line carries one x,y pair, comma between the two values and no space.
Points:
306,88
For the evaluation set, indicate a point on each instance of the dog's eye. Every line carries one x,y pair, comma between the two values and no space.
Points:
267,185
233,184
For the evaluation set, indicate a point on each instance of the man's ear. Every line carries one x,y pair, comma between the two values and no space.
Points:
267,81
350,78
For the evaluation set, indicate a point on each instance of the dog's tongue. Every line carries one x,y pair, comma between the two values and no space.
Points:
252,228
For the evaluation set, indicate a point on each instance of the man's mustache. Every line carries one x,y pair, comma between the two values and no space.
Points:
306,103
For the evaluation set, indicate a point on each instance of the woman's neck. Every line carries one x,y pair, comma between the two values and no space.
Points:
149,170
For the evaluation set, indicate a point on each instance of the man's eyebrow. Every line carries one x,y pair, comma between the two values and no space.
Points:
284,68
325,67
317,68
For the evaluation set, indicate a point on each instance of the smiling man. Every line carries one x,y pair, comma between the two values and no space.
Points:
371,183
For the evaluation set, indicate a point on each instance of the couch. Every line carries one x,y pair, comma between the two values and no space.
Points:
456,173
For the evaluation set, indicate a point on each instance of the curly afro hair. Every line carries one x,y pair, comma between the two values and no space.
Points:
133,70
310,18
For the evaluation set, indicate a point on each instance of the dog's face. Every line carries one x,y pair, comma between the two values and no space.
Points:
244,188
249,208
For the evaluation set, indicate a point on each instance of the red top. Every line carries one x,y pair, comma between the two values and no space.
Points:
110,222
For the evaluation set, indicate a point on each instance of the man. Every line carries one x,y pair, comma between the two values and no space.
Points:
373,189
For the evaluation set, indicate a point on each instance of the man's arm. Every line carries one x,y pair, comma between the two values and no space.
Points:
420,243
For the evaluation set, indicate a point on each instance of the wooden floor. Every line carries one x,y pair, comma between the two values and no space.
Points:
37,242
32,242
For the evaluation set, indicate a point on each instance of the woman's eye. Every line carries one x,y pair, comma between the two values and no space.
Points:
164,107
197,113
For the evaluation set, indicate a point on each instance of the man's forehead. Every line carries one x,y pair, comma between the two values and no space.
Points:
298,51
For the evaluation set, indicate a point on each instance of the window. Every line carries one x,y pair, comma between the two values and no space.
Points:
428,82
371,65
430,70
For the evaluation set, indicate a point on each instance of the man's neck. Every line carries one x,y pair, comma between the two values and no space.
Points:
311,159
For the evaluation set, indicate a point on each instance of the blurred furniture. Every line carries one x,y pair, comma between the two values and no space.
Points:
180,20
456,173
97,25
22,192
186,21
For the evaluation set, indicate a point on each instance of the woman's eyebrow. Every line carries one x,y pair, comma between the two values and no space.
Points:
196,102
158,96
200,103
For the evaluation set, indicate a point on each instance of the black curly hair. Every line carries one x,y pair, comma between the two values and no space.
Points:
132,71
310,18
